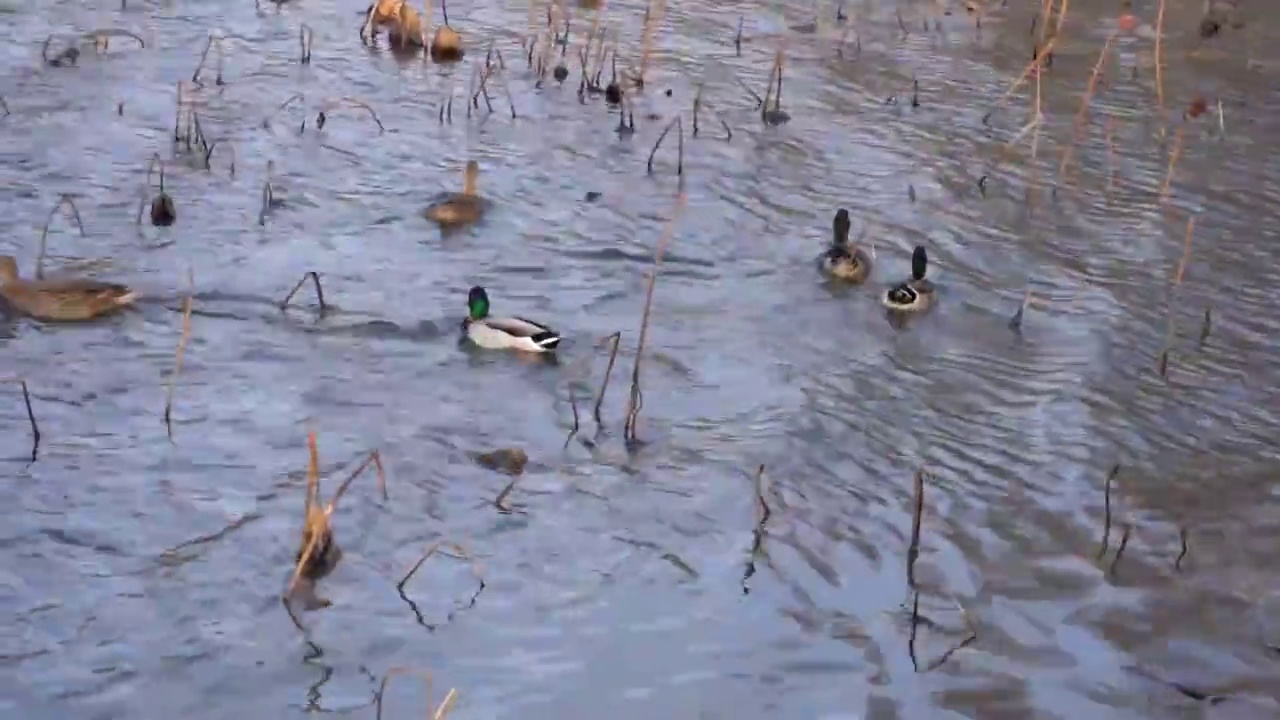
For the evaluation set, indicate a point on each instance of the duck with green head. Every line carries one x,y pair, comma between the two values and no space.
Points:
843,261
504,333
916,294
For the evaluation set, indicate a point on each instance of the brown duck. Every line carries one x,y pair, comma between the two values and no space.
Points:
456,209
61,300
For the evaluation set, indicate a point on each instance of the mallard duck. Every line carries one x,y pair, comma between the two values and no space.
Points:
462,208
916,294
842,261
511,333
64,300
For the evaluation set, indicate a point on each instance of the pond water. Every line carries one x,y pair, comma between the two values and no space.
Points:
141,576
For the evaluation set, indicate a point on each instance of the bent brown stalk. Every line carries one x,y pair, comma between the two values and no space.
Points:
44,234
214,42
1174,154
1173,289
31,416
679,125
1034,65
178,354
315,281
1106,511
614,340
636,401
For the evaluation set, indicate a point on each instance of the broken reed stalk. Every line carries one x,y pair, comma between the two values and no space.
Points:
330,105
305,39
63,199
316,529
1106,511
31,416
1183,549
1174,154
679,125
1158,59
266,122
1078,123
636,400
268,197
213,42
762,514
917,516
1173,289
441,711
1111,156
573,404
614,340
178,354
315,282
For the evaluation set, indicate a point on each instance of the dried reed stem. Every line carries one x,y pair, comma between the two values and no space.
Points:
1183,549
1079,120
1159,59
63,199
614,340
917,516
1111,157
573,404
636,400
1013,87
31,416
1106,511
178,354
305,39
1163,364
315,282
1124,543
652,17
762,513
214,42
266,122
1174,154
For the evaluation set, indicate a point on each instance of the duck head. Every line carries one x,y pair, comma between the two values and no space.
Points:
840,228
919,262
470,177
477,303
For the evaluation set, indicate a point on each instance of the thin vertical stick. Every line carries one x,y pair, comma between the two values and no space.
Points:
1159,62
1106,511
1163,364
31,416
177,356
917,515
1111,156
614,339
1078,123
1174,154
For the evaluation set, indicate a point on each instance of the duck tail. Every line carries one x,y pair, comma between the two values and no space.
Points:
546,340
128,298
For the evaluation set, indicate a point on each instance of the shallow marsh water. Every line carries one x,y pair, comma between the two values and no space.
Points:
141,577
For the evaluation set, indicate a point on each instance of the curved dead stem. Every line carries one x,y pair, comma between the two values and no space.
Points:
44,235
330,105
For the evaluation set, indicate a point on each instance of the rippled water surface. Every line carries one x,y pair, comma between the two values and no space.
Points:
141,577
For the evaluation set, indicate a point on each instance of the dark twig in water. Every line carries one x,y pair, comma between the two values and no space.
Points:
1106,511
1173,289
774,115
268,195
762,513
1124,543
266,122
1015,323
737,39
917,516
679,125
331,105
459,553
314,277
31,416
214,42
44,234
5,106
614,340
178,354
1205,326
968,640
636,400
305,39
1182,549
573,404
915,625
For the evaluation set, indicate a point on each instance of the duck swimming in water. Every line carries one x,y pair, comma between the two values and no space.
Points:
509,333
62,300
457,209
916,294
843,261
